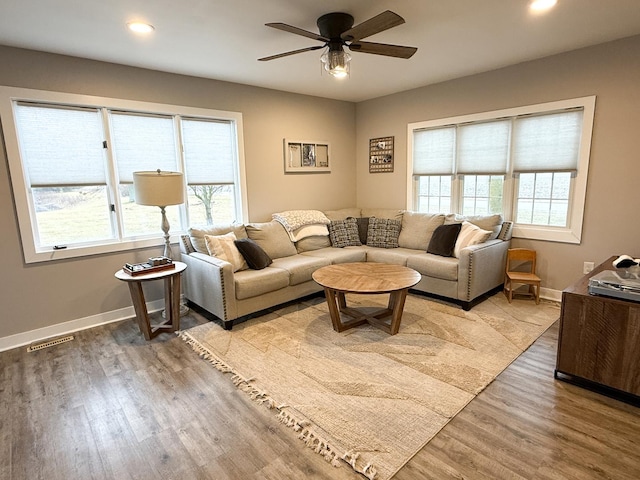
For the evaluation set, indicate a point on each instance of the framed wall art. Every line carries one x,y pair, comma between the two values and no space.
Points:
381,155
306,157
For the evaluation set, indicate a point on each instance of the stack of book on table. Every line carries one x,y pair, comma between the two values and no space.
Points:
155,264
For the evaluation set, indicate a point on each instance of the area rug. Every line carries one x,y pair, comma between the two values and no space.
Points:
364,398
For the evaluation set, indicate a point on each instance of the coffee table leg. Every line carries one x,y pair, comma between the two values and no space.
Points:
334,311
396,305
342,301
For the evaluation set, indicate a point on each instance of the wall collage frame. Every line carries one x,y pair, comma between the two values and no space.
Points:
306,157
381,155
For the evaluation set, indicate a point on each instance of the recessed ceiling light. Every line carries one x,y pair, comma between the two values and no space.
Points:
542,5
140,27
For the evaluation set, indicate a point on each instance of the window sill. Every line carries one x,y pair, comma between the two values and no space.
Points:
549,234
49,254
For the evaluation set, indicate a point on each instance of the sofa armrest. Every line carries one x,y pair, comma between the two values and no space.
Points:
209,283
481,268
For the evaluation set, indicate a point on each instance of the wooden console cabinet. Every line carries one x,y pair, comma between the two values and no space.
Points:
599,341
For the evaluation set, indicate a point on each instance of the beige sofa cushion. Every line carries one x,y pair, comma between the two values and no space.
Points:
342,213
435,266
390,213
314,242
251,283
417,229
493,223
393,256
340,255
300,267
196,234
272,237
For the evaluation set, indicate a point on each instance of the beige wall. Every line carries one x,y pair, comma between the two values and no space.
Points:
39,295
610,71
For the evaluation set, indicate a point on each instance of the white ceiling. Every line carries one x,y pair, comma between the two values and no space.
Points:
223,39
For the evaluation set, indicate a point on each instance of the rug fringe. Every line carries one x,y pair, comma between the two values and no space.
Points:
306,433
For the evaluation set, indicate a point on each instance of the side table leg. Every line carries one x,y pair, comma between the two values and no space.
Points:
168,301
175,302
140,307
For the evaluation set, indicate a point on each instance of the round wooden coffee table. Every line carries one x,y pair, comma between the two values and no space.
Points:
366,278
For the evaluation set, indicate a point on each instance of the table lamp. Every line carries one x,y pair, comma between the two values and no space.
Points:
159,189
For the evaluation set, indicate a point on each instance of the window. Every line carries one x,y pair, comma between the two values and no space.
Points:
72,160
529,164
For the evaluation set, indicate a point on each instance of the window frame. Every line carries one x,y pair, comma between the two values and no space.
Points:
572,233
9,96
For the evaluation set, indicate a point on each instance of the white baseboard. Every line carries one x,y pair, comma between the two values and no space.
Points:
65,328
553,295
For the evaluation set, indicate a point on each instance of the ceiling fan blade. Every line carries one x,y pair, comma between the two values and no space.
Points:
379,23
298,31
293,52
398,51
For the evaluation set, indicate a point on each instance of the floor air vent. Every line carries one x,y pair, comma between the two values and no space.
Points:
49,343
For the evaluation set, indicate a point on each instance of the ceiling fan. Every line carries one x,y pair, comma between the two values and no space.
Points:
337,31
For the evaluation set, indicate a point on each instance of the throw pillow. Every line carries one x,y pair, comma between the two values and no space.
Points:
363,228
254,255
470,234
196,234
443,240
272,237
344,233
485,222
224,248
417,229
383,232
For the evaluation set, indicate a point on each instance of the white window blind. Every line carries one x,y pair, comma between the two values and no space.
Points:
61,146
483,148
143,142
208,151
434,151
547,143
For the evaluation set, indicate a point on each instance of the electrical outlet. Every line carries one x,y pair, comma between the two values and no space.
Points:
587,267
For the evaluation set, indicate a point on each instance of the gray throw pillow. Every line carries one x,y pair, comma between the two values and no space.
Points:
344,233
383,232
253,254
363,228
444,239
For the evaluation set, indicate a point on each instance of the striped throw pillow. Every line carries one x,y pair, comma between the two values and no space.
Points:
224,248
470,234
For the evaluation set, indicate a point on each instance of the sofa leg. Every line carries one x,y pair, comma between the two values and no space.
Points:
466,306
227,325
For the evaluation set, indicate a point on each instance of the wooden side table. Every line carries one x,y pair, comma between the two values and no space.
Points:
171,299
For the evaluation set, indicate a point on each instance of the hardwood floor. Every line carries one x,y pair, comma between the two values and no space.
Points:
110,405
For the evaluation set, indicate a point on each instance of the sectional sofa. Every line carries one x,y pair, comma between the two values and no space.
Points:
229,290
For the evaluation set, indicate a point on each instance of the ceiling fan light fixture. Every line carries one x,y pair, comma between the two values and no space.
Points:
140,27
539,6
336,62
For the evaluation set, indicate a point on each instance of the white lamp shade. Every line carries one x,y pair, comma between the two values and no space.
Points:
158,188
